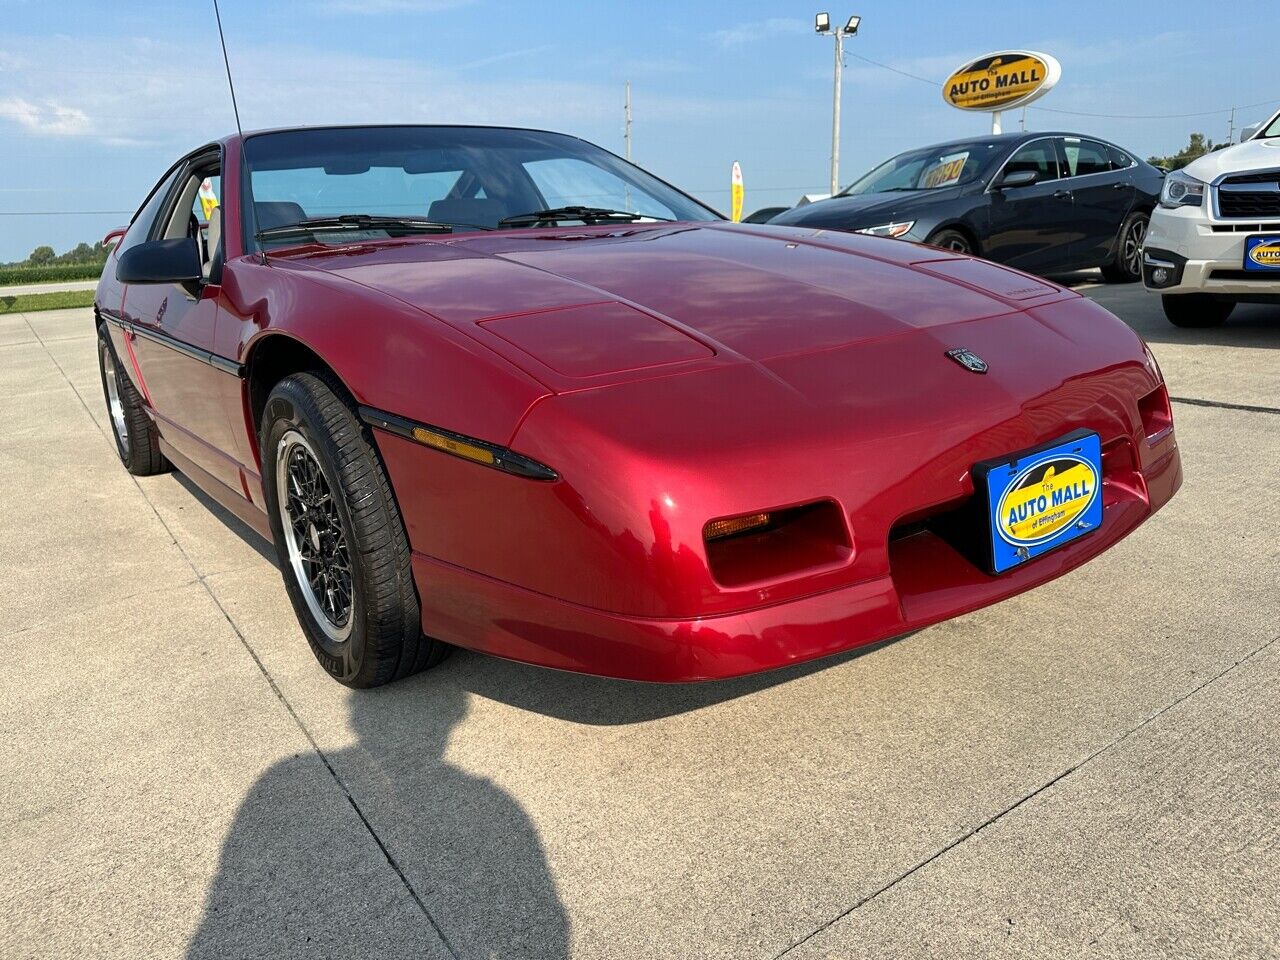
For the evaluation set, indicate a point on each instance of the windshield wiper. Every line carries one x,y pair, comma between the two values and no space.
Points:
584,214
357,221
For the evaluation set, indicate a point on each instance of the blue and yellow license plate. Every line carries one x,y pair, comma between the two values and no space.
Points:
1042,499
1262,252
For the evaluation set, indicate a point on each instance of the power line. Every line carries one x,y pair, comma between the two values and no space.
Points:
65,213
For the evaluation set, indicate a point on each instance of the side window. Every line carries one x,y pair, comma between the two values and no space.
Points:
1039,155
1084,157
1119,159
140,230
193,209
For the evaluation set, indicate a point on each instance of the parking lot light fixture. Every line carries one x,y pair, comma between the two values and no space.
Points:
822,25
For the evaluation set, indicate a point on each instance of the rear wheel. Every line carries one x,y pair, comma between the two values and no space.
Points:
338,533
135,435
1196,309
952,240
1126,267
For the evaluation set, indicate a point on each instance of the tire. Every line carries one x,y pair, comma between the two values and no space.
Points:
1196,309
1126,265
135,435
339,537
952,240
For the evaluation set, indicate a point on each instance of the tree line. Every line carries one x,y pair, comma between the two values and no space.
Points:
81,253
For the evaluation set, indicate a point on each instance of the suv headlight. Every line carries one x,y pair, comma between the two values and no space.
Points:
888,229
1181,190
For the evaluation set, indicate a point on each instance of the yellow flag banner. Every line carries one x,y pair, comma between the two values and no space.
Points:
736,191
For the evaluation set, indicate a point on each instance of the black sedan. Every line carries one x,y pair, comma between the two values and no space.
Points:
1042,202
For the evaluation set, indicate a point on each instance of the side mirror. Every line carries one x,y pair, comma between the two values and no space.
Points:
161,261
1249,132
1018,178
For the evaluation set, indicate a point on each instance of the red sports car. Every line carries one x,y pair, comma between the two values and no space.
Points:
499,388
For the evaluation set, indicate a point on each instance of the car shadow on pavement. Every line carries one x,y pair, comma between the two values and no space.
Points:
604,701
405,850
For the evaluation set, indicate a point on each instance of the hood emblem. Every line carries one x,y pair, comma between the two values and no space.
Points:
968,359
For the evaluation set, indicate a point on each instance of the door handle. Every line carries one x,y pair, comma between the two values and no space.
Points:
1062,194
1119,186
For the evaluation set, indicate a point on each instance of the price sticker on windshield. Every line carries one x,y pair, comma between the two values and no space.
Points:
945,171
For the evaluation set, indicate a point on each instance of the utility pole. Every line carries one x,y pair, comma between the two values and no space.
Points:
835,117
626,125
822,24
1231,127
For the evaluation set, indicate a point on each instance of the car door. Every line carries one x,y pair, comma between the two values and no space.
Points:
171,326
1103,198
1030,227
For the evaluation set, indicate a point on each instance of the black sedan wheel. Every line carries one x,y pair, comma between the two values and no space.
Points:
952,240
1127,265
339,536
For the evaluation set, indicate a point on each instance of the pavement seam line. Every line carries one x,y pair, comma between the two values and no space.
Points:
266,675
1223,405
969,834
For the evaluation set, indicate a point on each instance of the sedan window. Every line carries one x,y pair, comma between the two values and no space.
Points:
1084,157
929,169
1039,155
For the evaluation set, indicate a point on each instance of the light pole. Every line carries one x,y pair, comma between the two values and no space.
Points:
822,24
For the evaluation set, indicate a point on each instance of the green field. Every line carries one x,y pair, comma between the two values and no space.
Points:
55,274
31,302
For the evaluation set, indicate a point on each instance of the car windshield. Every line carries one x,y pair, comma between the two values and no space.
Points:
928,169
1273,128
354,183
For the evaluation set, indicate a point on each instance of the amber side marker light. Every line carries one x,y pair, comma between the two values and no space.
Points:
719,529
455,444
459,448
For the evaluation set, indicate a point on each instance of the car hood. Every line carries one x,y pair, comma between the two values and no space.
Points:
864,210
1242,158
573,306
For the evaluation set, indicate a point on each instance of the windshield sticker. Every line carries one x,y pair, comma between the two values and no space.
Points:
945,171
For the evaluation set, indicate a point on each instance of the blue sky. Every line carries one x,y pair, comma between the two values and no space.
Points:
96,99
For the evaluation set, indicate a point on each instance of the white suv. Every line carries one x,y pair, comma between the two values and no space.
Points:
1214,239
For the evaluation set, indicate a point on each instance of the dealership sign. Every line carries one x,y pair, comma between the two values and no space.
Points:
998,81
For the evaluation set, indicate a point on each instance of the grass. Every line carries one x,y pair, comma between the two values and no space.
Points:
31,302
51,274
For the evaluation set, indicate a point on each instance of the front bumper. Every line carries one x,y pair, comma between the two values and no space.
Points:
928,582
1186,252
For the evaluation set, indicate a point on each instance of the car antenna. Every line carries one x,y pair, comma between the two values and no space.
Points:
230,83
235,108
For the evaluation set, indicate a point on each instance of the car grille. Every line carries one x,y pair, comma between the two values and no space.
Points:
1250,195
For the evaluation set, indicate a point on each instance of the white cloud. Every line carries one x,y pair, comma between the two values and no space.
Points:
49,117
760,30
150,101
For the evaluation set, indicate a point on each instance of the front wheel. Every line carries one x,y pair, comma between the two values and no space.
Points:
952,240
339,537
1126,266
1196,309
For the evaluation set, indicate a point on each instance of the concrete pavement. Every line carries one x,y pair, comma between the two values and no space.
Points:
1090,768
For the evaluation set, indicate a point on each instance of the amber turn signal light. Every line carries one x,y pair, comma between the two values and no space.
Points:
719,529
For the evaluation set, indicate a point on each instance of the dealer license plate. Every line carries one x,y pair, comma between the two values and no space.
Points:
1262,252
1042,499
